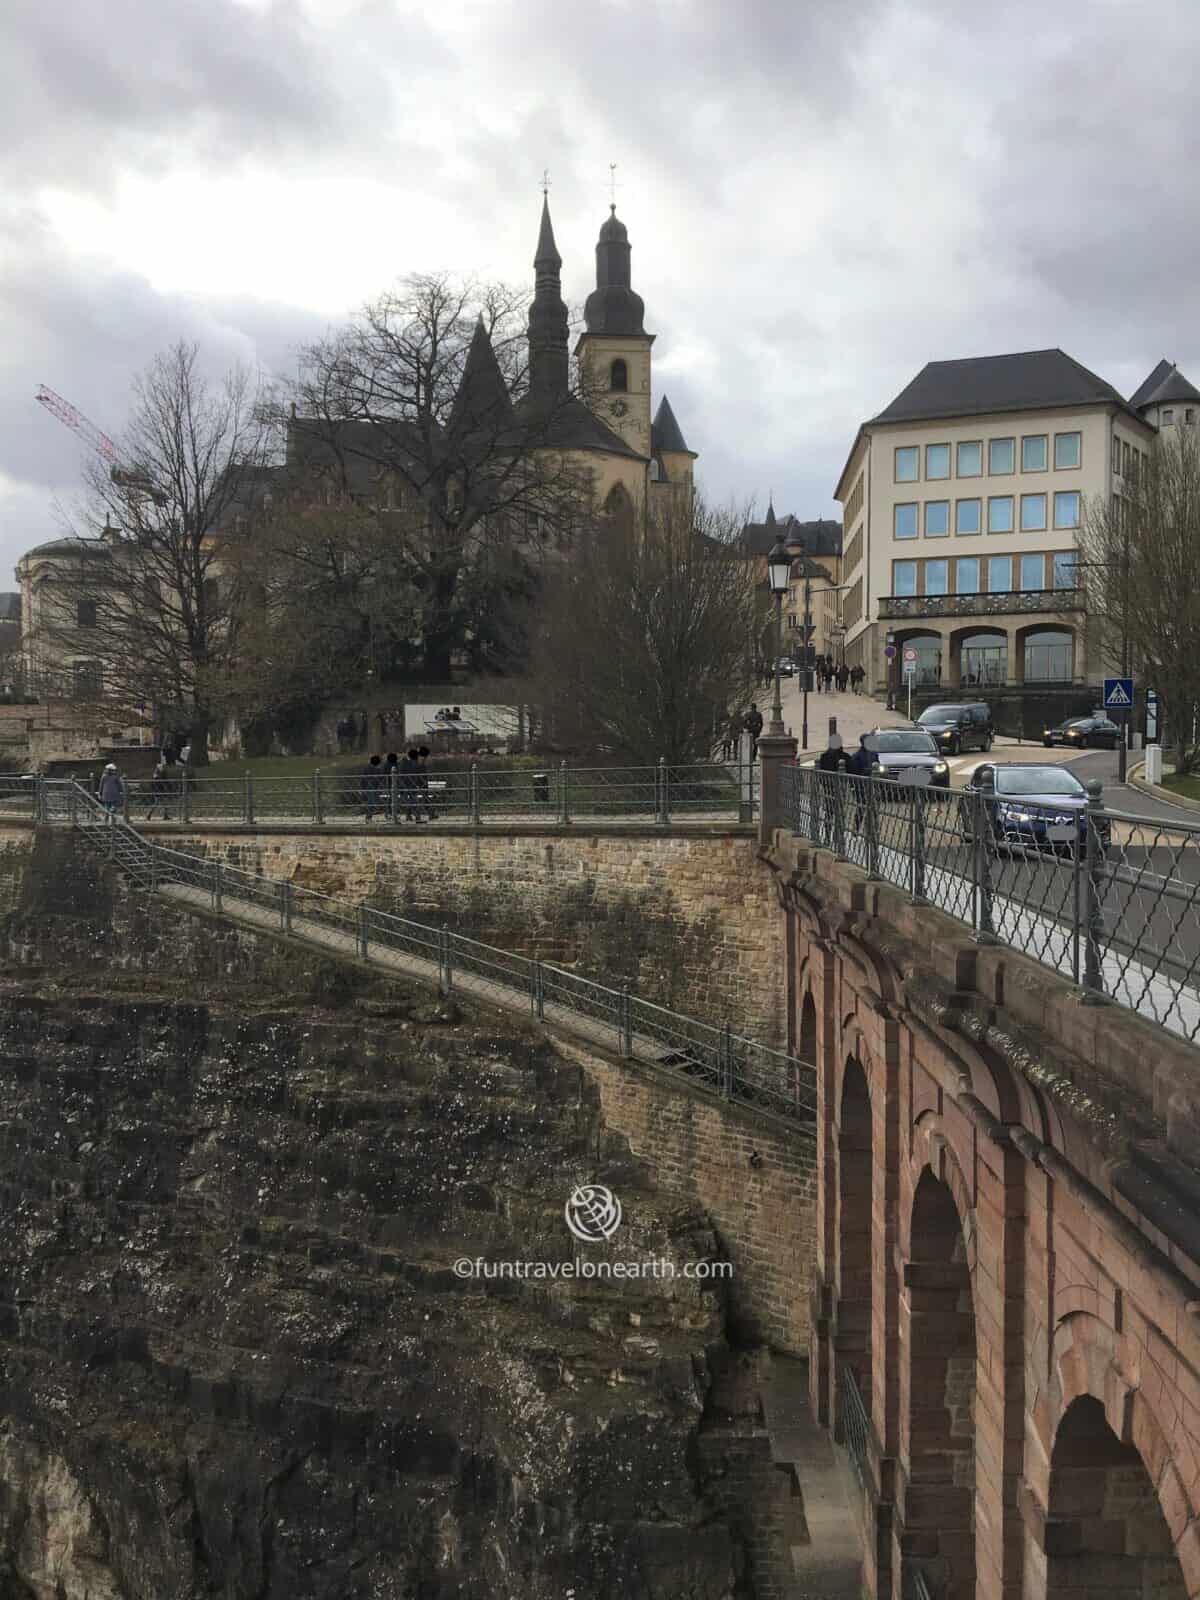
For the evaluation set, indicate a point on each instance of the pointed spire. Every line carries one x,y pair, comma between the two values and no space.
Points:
548,361
665,432
547,250
482,402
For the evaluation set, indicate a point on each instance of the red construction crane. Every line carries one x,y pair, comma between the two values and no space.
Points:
74,419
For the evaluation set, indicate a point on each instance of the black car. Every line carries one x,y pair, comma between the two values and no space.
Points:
967,726
1028,807
1084,733
909,756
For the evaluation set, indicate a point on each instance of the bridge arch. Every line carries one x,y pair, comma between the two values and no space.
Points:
938,1384
855,1207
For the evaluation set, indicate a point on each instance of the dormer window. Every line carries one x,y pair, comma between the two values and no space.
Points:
618,377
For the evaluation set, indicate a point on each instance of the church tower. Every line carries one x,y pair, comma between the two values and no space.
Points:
549,365
614,350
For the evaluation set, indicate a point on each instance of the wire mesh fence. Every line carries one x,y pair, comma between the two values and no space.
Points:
474,795
735,1066
1109,899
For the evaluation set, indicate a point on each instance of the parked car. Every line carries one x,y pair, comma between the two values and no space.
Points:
1028,807
1080,733
967,726
908,756
787,667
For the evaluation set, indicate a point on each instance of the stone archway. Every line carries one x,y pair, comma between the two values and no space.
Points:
854,1281
1105,1528
939,1442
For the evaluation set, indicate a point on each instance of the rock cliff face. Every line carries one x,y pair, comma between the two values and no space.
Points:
235,1356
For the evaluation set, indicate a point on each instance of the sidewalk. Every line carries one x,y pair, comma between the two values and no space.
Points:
856,714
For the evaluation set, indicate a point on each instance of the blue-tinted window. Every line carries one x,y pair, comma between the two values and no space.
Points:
1064,569
969,459
1000,513
1066,509
999,574
937,460
1002,455
966,516
1067,450
1033,453
1033,572
966,575
1033,512
937,518
904,577
937,577
906,520
908,463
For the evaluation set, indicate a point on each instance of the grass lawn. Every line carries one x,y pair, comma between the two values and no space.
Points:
1189,787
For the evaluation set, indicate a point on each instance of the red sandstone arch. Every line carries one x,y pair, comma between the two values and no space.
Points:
1107,1528
938,1385
854,1213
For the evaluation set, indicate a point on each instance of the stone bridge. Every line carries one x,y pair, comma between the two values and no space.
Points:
1005,1330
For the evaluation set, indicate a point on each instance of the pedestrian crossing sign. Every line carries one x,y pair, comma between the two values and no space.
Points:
1118,694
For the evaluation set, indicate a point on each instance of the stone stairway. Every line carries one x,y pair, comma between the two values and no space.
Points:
825,1539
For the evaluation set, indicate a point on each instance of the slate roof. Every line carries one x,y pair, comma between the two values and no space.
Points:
819,538
573,427
1165,385
665,432
10,608
1028,381
70,547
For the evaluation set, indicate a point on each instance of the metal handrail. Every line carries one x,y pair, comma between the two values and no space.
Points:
476,795
1107,898
737,1067
856,1426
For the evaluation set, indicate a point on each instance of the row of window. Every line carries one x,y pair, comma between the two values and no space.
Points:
963,575
86,612
1127,461
1001,510
1001,457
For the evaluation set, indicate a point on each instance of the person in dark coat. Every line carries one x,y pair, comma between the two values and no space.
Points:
754,726
161,788
832,759
372,778
410,769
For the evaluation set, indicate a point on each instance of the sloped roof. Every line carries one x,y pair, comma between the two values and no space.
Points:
1029,381
819,538
71,547
665,432
571,426
482,403
1165,385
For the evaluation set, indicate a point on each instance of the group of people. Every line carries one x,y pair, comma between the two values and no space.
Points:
166,782
731,739
827,675
410,774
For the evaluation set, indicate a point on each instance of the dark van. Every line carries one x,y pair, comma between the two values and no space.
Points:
959,727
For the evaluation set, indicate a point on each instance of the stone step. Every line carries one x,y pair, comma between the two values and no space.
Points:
829,1564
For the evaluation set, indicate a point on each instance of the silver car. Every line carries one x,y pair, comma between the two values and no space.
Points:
908,756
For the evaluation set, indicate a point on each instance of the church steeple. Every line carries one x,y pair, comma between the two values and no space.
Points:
612,307
548,364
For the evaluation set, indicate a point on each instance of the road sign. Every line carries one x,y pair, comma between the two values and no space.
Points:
1151,715
910,668
1118,694
910,655
890,651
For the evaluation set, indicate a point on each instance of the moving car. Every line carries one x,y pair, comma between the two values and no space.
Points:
967,726
908,756
1029,808
787,667
1081,733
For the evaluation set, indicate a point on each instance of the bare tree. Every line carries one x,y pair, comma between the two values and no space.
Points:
1139,556
429,400
147,603
643,644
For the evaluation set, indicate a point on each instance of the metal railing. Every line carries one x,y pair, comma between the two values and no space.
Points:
856,1426
737,1068
1108,899
918,1585
559,795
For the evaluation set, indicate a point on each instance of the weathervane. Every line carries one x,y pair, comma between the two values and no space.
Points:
546,182
612,185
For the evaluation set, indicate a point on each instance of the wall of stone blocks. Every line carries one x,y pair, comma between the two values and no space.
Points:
690,922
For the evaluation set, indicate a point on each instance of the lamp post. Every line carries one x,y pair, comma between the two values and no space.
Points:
779,572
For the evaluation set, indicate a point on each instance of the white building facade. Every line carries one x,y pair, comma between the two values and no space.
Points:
962,504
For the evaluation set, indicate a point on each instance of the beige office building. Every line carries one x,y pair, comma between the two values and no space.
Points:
962,504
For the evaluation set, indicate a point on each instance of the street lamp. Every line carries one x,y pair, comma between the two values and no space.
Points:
779,572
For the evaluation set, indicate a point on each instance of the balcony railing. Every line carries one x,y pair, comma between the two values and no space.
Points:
895,607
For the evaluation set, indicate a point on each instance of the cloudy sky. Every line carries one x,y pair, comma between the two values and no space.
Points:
821,194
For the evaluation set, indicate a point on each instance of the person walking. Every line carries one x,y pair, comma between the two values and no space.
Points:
733,737
754,726
843,678
371,777
112,788
160,790
833,759
859,767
